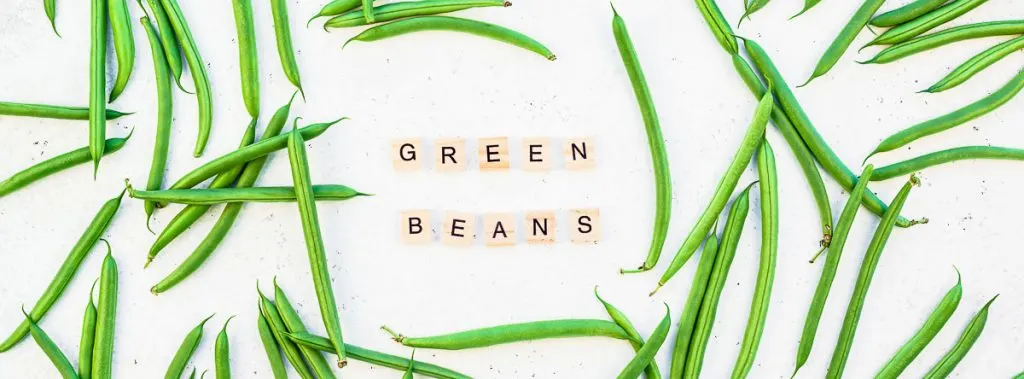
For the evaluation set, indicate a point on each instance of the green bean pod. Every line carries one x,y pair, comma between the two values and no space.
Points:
59,112
368,12
376,358
906,13
950,120
164,114
719,27
124,45
635,339
168,41
453,24
655,143
285,50
270,345
97,82
293,324
106,320
808,4
412,364
946,156
948,36
335,8
924,335
926,22
198,68
750,8
867,271
222,353
52,351
314,242
976,64
185,350
843,40
645,355
279,330
50,7
402,9
248,60
963,345
502,334
56,164
688,319
751,140
322,192
828,271
88,338
193,374
716,283
67,270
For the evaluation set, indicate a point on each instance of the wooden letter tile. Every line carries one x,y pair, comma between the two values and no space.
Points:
450,154
585,225
415,227
540,227
459,229
493,154
536,154
499,229
580,153
405,154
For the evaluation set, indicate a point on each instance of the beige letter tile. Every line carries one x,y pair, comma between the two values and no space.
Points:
459,229
499,229
450,154
540,227
405,154
415,227
585,225
493,154
536,154
580,153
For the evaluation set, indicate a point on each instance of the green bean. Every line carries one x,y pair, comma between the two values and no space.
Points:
750,8
279,331
452,24
88,338
282,30
52,351
948,121
815,142
56,164
168,41
402,9
963,345
946,156
248,61
655,143
926,22
769,185
59,112
842,42
185,350
314,242
124,45
67,270
106,320
412,363
97,82
906,13
502,334
270,345
322,192
222,353
646,354
293,324
867,271
193,374
689,317
719,27
948,36
164,115
377,358
808,4
716,283
652,371
828,272
198,68
368,12
751,140
334,8
925,334
976,64
50,7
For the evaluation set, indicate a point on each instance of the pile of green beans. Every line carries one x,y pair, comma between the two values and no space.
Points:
453,24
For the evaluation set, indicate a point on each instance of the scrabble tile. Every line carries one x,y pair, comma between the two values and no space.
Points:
585,225
493,154
450,154
499,229
580,154
539,227
405,154
459,229
537,155
415,227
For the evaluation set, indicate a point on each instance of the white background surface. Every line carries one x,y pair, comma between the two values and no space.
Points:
435,85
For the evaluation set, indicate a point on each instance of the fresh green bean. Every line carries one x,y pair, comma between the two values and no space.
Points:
282,30
769,185
688,319
867,272
279,331
926,22
293,324
750,8
164,114
59,112
402,9
808,4
56,164
645,355
314,242
52,351
185,350
948,121
751,140
412,364
67,270
322,192
963,345
655,143
198,68
976,64
948,36
270,345
50,7
841,43
925,334
222,353
716,283
124,45
377,358
248,60
652,371
906,13
88,338
946,156
106,320
453,24
193,374
368,11
719,27
97,82
168,41
828,272
335,8
527,331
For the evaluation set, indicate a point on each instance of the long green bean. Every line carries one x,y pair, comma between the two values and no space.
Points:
279,330
905,13
842,42
926,22
168,41
946,156
948,36
322,192
293,324
688,320
454,24
377,358
59,112
270,344
52,351
97,82
248,60
282,30
106,320
402,9
925,334
963,345
502,334
124,45
719,27
199,76
56,164
976,64
164,115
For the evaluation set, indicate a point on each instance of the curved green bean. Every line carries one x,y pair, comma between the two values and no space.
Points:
688,319
948,36
906,13
335,8
106,320
222,353
270,345
124,45
279,330
502,334
88,338
248,60
842,42
808,4
867,271
198,68
652,371
402,9
67,270
948,121
322,192
926,22
751,140
185,350
168,41
52,351
719,27
946,156
373,357
282,30
59,112
828,271
453,24
924,335
293,324
50,7
750,8
164,114
976,64
645,355
56,164
655,142
97,82
963,345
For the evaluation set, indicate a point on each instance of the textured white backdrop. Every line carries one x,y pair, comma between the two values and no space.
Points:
436,85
